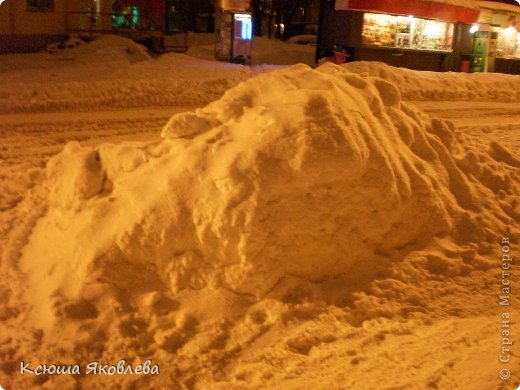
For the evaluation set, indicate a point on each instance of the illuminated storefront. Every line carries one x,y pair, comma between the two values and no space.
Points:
416,34
501,23
407,32
508,42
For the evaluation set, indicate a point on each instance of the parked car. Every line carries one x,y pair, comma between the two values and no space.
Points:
299,28
303,39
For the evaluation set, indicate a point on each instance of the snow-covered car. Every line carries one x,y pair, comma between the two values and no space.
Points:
303,39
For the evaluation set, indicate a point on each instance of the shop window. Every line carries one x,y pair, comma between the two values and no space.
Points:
40,5
407,32
508,42
126,16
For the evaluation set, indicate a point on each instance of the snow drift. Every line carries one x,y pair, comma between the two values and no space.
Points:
295,174
426,85
124,76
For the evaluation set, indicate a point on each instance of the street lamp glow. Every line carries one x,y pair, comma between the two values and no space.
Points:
474,28
510,30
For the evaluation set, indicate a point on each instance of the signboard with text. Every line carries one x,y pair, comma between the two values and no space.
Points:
237,5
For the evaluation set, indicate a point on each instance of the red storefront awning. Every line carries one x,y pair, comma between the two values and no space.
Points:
419,8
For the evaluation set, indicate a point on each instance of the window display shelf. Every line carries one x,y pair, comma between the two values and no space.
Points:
406,32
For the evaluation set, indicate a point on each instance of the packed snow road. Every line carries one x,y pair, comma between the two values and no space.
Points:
474,114
499,121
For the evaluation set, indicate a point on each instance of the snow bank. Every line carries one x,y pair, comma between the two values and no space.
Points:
425,85
295,174
275,52
281,231
112,72
116,94
102,55
263,50
114,46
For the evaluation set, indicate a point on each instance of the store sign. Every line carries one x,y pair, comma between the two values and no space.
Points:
420,8
500,19
342,4
486,16
238,5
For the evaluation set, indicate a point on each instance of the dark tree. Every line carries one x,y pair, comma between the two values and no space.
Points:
288,12
258,7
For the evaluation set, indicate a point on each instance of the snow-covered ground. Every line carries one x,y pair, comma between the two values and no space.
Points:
332,228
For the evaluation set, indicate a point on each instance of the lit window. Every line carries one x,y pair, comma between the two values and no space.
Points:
407,32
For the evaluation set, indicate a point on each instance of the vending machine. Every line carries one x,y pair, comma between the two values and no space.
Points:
234,33
480,42
484,50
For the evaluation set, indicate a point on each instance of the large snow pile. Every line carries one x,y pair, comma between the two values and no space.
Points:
243,193
114,72
107,53
263,50
113,47
424,85
272,51
111,72
192,248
